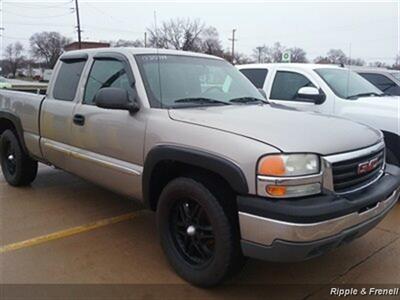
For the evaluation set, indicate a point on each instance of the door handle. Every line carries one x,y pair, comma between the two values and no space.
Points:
79,120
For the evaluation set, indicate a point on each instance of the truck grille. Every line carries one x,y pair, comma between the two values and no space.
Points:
354,173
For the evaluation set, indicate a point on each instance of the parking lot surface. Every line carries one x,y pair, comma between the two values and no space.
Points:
77,233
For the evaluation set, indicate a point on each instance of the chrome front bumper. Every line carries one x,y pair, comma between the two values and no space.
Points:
265,231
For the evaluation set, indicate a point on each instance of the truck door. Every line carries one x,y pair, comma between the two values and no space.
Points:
109,142
284,89
57,109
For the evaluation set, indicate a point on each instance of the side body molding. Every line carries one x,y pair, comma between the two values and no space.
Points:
208,161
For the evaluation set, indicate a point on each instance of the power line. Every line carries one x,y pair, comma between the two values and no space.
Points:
60,5
36,17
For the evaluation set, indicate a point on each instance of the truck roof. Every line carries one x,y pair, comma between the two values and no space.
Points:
289,65
132,50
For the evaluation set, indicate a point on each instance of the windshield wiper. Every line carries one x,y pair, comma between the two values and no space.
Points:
363,95
247,100
201,100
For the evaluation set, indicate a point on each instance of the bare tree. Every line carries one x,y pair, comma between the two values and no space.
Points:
322,60
179,34
378,64
298,55
210,42
48,46
396,64
355,62
261,54
14,57
276,52
126,43
337,56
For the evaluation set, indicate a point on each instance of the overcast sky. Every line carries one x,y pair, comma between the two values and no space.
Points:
371,28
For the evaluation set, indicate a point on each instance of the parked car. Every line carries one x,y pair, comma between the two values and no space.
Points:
332,90
4,84
388,81
228,174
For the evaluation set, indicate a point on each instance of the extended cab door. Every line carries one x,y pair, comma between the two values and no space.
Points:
57,110
283,85
109,142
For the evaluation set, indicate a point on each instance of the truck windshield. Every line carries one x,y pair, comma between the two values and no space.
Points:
347,84
182,81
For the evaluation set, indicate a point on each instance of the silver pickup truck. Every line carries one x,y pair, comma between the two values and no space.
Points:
228,174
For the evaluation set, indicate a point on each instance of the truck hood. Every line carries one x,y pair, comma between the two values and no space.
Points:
286,129
389,103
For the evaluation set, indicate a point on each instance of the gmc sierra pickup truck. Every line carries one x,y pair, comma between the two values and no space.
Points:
331,90
228,174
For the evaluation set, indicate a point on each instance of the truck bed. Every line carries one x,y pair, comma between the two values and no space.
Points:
26,106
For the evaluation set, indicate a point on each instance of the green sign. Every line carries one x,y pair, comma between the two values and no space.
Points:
286,56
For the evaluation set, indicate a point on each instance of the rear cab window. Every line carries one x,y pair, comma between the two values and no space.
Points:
256,76
68,78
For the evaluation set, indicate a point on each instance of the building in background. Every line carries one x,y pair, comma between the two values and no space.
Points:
86,45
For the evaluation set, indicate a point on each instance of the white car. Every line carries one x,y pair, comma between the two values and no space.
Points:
4,84
333,90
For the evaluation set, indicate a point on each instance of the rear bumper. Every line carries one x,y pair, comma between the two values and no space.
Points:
282,239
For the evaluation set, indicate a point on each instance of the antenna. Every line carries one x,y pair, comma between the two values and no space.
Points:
158,57
348,71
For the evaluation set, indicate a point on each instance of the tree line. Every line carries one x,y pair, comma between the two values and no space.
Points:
180,34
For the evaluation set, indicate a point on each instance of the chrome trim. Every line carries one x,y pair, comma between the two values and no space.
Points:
108,162
295,180
264,230
354,154
264,181
327,162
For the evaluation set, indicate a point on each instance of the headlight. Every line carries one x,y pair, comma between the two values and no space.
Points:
289,175
289,165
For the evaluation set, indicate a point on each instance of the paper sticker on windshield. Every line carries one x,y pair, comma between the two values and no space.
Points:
227,84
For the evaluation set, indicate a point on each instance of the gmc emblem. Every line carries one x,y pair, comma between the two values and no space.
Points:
367,166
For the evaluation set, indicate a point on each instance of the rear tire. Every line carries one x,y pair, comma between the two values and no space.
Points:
18,168
197,235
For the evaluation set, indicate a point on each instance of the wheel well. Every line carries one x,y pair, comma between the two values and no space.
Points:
167,170
6,124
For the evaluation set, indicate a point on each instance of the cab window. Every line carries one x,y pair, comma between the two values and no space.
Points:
106,73
67,80
286,85
382,82
256,76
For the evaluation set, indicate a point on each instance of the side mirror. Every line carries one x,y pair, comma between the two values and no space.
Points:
115,98
311,94
263,93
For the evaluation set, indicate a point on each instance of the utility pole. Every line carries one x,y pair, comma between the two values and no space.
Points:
233,44
78,24
259,48
145,39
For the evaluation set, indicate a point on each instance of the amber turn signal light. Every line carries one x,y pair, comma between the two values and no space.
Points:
272,165
275,190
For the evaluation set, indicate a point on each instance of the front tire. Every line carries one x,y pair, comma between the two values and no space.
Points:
18,168
197,235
